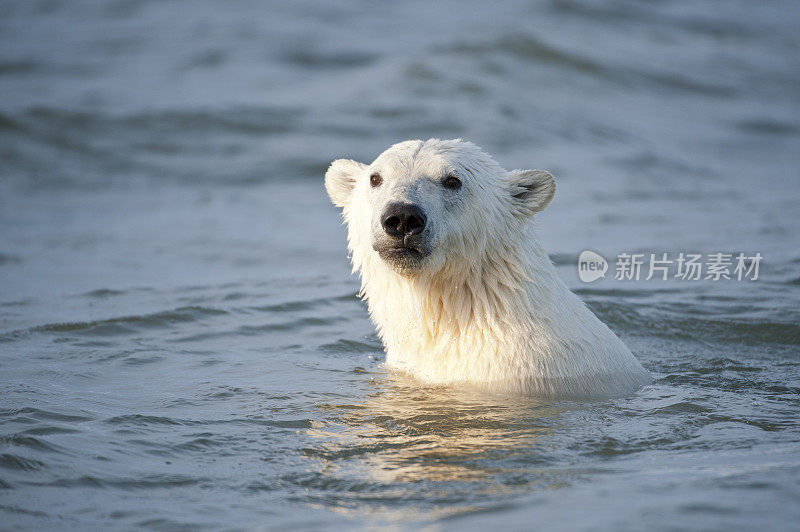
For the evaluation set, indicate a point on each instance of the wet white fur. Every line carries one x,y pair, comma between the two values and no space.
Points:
487,308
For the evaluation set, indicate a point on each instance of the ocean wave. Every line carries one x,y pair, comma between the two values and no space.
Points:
121,325
532,49
693,326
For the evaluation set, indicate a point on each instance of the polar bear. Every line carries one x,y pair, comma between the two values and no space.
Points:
457,281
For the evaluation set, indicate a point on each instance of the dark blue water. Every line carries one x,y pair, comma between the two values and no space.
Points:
181,345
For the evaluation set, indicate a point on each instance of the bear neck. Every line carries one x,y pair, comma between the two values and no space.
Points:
481,305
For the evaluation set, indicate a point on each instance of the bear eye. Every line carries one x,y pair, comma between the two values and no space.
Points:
452,182
375,180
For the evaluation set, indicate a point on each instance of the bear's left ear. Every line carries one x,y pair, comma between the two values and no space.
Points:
340,180
531,190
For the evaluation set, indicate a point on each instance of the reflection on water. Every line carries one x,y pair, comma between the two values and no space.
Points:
428,446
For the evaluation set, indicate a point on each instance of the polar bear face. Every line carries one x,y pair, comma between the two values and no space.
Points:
420,205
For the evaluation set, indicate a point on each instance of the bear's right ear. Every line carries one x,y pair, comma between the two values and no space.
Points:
340,180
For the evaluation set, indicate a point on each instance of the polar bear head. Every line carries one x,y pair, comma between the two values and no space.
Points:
425,206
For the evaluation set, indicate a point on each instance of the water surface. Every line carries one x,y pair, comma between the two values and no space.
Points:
181,345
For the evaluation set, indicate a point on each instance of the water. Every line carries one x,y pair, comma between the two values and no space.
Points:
181,345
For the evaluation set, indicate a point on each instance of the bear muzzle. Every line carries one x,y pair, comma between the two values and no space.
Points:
403,242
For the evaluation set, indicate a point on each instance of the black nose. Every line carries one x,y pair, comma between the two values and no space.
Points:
403,219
